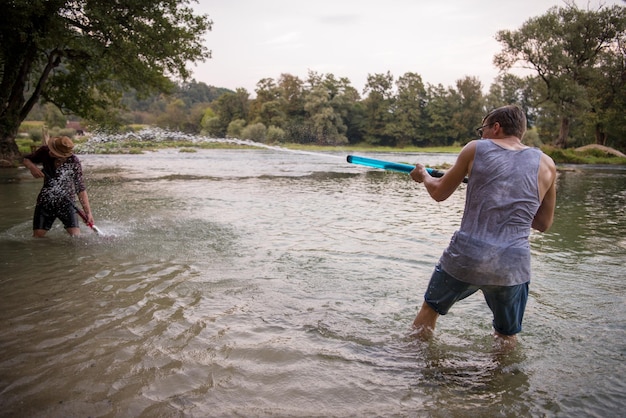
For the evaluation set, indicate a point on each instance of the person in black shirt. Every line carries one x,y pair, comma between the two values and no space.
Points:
63,180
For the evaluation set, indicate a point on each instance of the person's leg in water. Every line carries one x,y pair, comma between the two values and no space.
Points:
443,291
425,321
42,222
44,219
507,303
70,220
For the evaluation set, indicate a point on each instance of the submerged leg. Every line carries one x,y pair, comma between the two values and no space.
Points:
425,321
74,232
503,342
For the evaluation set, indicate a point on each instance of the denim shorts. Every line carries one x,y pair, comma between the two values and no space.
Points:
507,303
44,217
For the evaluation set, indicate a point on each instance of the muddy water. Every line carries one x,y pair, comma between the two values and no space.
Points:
266,283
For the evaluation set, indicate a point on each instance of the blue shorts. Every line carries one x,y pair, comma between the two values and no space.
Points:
45,217
507,303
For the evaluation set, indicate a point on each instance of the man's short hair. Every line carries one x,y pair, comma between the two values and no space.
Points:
511,118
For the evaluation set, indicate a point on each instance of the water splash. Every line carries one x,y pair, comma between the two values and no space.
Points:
101,142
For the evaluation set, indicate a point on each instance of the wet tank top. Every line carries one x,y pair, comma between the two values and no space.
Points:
491,247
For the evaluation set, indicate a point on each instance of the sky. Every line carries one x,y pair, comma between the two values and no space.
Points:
441,40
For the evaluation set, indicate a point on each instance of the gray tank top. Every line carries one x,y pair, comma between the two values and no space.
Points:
491,247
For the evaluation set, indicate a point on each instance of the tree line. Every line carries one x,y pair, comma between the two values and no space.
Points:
575,94
107,66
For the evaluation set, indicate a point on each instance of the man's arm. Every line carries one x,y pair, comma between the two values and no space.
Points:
547,192
440,188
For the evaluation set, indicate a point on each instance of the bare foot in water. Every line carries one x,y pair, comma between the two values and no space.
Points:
422,332
424,323
504,343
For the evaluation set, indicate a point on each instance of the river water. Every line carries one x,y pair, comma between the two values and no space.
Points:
258,282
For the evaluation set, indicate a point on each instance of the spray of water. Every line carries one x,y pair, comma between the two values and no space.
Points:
100,142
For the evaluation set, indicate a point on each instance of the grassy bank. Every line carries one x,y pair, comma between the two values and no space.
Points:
590,156
560,156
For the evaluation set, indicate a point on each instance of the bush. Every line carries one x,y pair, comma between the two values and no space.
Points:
71,133
562,156
596,153
28,126
255,132
212,127
26,146
235,128
56,131
275,134
571,156
36,135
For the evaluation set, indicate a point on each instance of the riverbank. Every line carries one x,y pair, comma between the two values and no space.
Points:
135,143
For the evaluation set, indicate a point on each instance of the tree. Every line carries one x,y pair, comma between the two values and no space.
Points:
174,117
470,110
441,104
378,109
511,89
291,90
81,55
563,47
53,116
267,107
409,123
324,106
228,107
607,116
194,92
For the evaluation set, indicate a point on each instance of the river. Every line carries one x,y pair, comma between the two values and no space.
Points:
259,282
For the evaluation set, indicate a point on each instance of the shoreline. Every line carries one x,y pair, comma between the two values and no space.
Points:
591,154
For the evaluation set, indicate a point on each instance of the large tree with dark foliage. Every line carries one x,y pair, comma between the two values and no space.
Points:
579,57
82,55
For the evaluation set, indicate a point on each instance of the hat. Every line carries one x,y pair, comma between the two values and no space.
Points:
61,146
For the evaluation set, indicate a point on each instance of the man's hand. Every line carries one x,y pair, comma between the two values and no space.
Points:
419,173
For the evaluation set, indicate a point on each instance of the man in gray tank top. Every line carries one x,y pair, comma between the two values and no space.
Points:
511,189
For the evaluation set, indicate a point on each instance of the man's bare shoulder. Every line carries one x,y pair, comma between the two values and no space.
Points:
547,162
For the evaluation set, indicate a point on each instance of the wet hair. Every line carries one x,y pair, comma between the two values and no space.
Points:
511,118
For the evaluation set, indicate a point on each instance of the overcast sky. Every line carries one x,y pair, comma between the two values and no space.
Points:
441,40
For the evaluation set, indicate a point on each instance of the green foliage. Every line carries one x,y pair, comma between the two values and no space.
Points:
592,156
27,145
212,126
36,135
235,128
82,56
379,109
228,107
578,56
66,132
275,135
174,117
31,126
324,110
255,132
53,116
